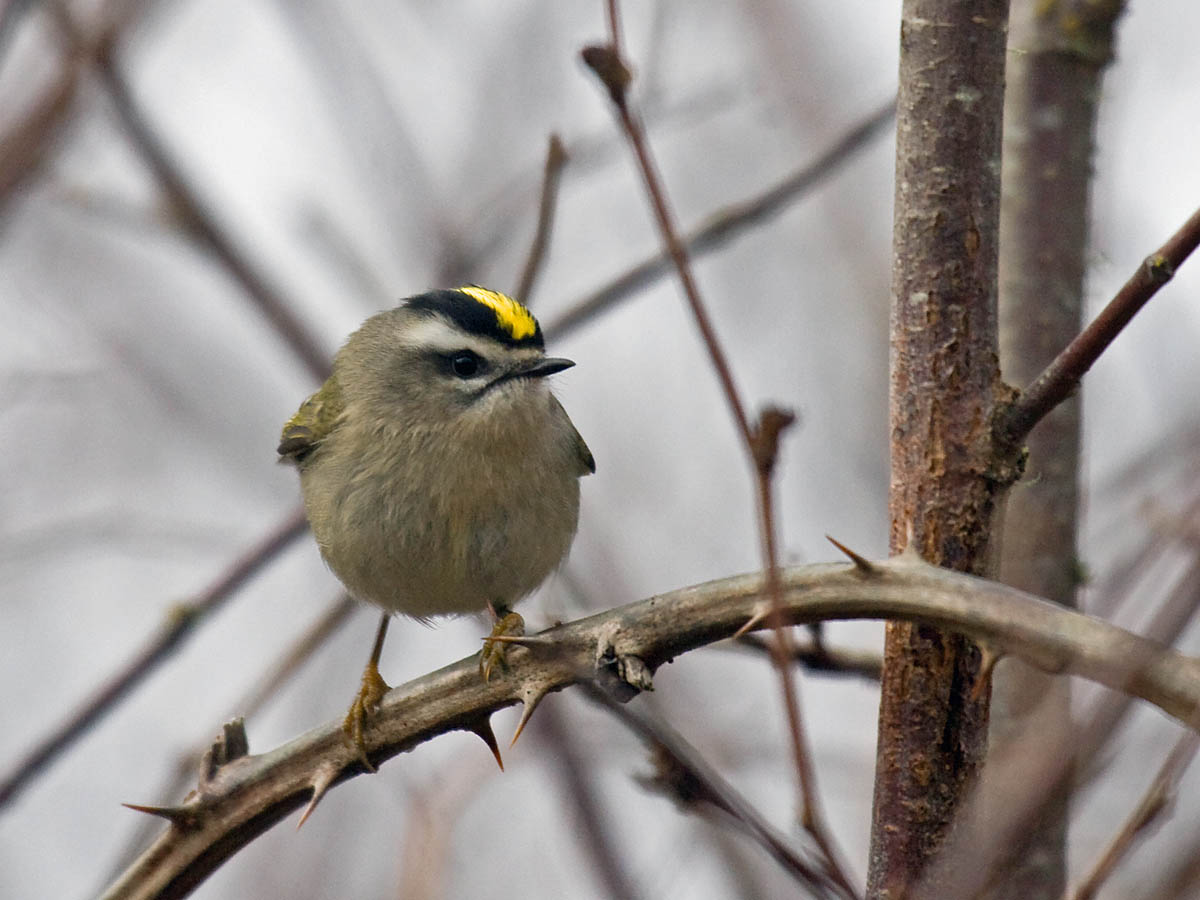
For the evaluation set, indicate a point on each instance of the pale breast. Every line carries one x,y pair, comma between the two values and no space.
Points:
466,526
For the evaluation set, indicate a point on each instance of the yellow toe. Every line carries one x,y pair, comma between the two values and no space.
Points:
496,652
366,702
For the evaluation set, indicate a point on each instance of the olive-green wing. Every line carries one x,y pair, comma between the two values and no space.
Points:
312,423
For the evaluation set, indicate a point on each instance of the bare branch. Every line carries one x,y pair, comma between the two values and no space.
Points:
764,448
556,158
1030,773
1155,803
946,484
1051,99
183,618
687,778
726,224
1062,376
819,658
613,73
25,146
244,798
185,200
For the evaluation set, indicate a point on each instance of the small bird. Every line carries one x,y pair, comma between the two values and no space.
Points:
439,473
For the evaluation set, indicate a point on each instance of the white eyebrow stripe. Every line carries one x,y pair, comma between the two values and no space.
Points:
434,333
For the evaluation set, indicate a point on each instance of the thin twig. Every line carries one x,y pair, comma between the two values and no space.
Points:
436,812
821,658
1062,376
556,158
1154,804
27,145
684,775
183,618
614,74
595,837
295,655
10,15
726,224
760,442
185,200
1178,878
771,425
613,11
491,212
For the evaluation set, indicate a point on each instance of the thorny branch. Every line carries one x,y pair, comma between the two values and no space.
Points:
276,675
183,618
1019,782
243,798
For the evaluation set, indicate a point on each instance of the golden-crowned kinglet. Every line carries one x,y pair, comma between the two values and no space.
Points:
439,473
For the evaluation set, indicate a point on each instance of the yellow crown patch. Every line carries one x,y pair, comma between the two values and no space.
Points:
510,315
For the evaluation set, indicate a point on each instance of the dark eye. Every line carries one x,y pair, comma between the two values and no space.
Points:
466,364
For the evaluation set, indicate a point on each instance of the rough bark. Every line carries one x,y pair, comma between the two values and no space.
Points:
945,385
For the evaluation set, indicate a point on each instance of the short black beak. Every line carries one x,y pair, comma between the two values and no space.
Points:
540,368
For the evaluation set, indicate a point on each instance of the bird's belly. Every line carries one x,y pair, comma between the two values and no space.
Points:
403,553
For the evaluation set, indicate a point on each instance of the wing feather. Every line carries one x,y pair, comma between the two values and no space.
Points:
312,423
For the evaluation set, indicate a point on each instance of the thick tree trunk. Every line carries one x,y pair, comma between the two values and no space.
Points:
945,384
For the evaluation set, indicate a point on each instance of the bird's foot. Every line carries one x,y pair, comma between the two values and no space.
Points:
495,652
366,703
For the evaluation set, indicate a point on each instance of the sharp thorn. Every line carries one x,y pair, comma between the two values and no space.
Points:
526,639
529,702
308,810
864,565
483,728
179,816
322,781
760,615
987,663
